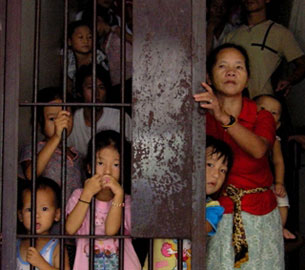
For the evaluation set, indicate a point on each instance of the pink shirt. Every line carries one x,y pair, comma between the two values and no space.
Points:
103,247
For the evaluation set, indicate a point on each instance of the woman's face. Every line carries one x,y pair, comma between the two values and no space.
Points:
229,73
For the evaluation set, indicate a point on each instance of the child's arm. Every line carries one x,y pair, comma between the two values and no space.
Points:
75,219
113,220
279,169
34,258
61,122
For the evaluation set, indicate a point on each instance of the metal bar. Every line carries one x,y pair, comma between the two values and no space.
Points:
12,49
74,236
198,137
64,142
2,60
93,132
180,254
151,254
74,104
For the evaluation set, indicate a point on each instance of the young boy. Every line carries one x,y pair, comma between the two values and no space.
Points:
53,120
272,105
219,160
46,253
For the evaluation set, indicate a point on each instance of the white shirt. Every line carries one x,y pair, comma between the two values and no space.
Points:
81,134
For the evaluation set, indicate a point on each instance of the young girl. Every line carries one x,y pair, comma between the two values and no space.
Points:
52,121
219,161
80,51
109,203
46,254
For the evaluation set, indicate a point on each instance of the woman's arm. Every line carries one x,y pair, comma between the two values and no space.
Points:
254,145
76,217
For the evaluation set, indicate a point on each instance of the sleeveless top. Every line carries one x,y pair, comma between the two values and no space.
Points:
46,252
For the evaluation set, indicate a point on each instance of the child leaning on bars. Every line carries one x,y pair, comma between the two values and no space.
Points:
45,255
109,204
219,161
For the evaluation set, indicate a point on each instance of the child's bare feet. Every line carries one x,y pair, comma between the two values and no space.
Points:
287,234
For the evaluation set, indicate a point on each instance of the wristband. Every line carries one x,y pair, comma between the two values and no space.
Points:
83,201
117,204
232,122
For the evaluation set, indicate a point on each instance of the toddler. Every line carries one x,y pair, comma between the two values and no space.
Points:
80,51
273,105
106,117
219,160
105,187
52,121
46,253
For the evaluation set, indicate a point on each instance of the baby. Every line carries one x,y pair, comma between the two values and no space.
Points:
273,105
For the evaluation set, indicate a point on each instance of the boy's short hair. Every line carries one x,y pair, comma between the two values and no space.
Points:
73,25
222,148
46,95
256,98
86,71
41,183
100,12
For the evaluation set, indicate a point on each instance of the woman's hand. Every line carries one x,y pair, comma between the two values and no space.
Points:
208,100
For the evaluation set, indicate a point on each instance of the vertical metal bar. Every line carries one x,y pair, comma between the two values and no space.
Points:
12,49
180,254
123,52
2,58
198,137
93,131
151,254
34,130
64,142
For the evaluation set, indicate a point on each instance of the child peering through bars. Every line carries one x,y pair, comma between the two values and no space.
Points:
80,51
106,118
219,160
53,120
46,253
110,201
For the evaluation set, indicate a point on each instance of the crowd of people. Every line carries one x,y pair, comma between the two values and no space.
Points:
247,202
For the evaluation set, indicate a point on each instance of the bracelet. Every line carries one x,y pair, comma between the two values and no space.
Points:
118,204
83,201
232,122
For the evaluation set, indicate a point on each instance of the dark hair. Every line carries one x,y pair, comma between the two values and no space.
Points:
86,71
47,95
222,148
73,25
212,58
106,138
41,183
100,12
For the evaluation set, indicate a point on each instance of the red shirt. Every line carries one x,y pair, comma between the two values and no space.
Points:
248,172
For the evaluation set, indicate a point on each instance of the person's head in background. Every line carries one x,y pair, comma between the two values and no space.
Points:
271,104
80,37
218,10
47,115
219,161
84,86
47,204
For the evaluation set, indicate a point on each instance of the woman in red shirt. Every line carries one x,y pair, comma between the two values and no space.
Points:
249,235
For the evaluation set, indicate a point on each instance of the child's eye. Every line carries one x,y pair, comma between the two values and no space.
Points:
209,164
117,164
28,210
100,163
224,171
221,66
44,208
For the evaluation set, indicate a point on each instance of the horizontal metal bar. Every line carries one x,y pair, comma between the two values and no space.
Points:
29,104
